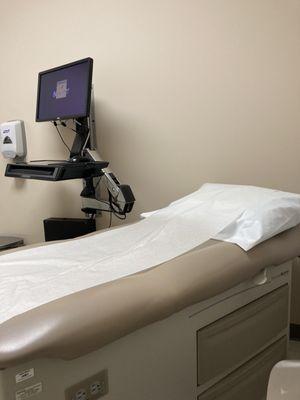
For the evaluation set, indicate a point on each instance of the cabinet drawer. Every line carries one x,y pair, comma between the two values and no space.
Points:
250,381
231,340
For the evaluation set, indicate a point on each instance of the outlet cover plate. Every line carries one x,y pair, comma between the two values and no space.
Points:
98,381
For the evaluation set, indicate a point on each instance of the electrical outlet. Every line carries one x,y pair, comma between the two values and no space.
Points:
91,388
81,394
97,387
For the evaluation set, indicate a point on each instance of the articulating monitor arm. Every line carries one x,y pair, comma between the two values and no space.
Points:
120,197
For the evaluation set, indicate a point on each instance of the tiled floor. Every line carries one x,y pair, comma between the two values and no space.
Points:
294,350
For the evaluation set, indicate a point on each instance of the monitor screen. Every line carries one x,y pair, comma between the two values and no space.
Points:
65,92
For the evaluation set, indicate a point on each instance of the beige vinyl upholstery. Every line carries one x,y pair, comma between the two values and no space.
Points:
87,320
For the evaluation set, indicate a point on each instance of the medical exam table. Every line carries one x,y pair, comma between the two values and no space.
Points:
209,324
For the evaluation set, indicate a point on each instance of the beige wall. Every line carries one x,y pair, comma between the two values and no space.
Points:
186,92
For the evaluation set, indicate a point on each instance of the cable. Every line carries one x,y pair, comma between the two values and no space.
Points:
62,139
117,213
62,123
87,138
79,123
97,184
119,216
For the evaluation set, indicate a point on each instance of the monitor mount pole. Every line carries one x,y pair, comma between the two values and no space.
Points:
82,138
85,133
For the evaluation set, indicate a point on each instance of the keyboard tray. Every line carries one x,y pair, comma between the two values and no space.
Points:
55,171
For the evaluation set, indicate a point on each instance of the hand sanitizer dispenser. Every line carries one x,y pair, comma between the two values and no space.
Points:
13,139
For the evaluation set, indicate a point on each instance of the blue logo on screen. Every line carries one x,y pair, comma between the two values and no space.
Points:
61,91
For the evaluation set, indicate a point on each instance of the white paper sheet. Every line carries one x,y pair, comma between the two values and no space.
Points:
267,212
37,276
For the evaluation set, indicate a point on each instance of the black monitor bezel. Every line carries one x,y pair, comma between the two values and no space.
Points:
87,60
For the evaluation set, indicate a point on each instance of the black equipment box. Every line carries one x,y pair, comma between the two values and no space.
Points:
67,228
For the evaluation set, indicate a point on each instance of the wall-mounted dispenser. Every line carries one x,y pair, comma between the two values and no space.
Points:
13,139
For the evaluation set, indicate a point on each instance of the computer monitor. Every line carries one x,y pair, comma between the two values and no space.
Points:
65,92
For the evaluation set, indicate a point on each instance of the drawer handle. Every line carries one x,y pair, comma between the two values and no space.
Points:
261,278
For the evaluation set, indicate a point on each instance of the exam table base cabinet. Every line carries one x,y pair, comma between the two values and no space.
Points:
234,338
249,381
220,348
